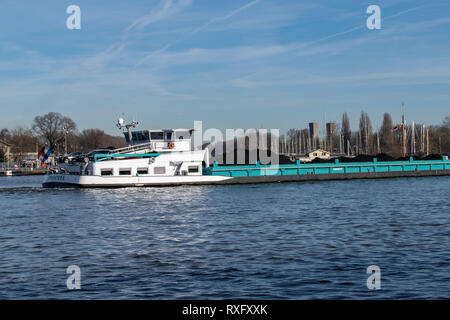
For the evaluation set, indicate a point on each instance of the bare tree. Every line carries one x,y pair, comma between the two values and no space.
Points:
22,141
336,139
5,135
445,132
346,132
295,139
440,137
387,139
91,139
51,127
365,130
446,123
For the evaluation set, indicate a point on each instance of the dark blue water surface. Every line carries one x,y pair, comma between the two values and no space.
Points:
274,241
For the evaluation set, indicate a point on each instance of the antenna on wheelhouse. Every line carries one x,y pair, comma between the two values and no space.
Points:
121,125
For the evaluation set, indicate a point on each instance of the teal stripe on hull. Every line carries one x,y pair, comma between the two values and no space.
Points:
326,168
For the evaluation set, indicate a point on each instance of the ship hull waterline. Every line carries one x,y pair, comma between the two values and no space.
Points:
69,181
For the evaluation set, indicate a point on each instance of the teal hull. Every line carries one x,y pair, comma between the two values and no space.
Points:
299,169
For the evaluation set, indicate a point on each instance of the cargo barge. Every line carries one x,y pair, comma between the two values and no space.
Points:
166,157
330,171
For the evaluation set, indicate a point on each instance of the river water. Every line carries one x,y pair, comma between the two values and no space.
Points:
268,241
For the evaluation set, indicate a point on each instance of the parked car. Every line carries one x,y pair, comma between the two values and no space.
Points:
68,157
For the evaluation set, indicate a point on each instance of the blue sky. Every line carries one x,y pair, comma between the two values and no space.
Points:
232,64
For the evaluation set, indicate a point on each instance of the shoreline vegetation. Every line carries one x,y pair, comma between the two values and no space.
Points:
60,133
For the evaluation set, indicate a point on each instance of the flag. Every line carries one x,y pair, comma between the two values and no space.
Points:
44,153
399,127
40,153
47,154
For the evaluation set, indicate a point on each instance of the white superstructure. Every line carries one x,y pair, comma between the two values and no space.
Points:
153,157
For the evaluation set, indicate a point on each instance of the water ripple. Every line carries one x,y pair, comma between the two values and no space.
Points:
268,241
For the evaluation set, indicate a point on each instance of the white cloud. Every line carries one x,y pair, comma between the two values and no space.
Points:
164,58
165,9
103,58
217,19
227,16
283,77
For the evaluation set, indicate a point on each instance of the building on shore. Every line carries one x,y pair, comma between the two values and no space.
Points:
25,159
317,153
6,150
313,134
330,126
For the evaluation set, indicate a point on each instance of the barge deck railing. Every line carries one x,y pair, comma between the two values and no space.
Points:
327,168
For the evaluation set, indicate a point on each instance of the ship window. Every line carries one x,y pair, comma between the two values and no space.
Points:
125,172
142,170
107,172
169,136
157,135
193,169
182,135
159,170
144,136
140,136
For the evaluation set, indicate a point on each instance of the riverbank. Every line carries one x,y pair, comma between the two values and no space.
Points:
22,172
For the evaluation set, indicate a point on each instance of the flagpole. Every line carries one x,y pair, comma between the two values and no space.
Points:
403,131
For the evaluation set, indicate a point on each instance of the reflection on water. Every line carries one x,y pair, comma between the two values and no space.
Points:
290,240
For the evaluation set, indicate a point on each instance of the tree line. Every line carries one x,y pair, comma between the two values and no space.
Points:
57,132
420,140
60,133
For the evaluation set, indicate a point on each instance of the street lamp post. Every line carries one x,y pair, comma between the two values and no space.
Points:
65,140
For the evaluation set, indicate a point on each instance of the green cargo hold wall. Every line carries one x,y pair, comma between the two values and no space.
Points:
327,168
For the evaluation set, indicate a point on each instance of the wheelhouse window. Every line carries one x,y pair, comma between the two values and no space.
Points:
142,171
157,135
159,170
125,172
168,136
140,136
107,172
180,135
193,169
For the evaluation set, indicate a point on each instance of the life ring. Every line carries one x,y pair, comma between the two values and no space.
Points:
171,145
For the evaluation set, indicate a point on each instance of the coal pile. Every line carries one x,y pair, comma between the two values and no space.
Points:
359,158
384,157
432,157
284,160
318,160
418,158
230,159
369,158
